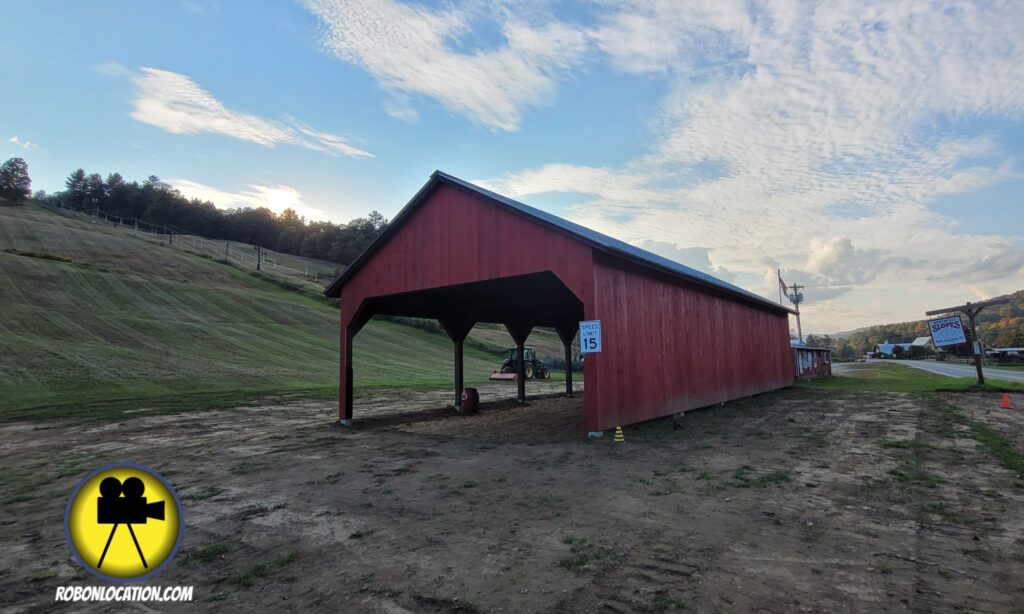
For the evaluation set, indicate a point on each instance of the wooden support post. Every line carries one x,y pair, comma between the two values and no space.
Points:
567,332
568,369
458,375
976,345
348,380
520,330
458,328
520,372
346,413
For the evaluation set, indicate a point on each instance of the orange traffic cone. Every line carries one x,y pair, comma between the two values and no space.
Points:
1006,401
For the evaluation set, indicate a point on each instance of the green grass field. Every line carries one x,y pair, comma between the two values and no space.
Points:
879,377
95,321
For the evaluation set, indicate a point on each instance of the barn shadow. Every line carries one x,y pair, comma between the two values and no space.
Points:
544,419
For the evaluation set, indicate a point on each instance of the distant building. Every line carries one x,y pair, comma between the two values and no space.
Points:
887,350
1005,354
811,360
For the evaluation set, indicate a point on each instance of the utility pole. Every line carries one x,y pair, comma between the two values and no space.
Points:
259,256
971,310
797,297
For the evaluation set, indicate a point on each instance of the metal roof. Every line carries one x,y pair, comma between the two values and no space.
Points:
887,348
591,237
800,345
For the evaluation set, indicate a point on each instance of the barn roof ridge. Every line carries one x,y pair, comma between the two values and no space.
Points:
596,239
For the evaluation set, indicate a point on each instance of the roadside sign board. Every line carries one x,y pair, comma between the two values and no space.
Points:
947,331
590,336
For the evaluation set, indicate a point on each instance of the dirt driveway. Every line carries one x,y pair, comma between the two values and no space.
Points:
793,501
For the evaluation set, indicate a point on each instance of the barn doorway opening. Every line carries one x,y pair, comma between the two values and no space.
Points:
520,303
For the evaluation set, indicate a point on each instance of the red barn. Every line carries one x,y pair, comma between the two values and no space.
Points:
673,338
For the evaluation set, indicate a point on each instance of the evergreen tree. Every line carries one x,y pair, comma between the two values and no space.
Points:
76,188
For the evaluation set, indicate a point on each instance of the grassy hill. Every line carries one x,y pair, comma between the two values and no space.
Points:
95,320
310,273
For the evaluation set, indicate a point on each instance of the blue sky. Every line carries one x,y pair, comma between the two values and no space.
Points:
870,150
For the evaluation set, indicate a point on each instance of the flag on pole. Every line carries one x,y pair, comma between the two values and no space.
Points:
783,289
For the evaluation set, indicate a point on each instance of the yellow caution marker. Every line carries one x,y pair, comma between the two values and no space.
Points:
618,436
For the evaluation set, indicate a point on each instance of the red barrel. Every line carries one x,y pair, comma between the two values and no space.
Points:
470,401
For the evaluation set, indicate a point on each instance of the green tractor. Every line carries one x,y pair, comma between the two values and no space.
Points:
535,367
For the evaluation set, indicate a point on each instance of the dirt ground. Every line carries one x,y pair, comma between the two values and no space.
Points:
791,501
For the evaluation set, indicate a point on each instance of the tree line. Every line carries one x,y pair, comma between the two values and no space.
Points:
156,202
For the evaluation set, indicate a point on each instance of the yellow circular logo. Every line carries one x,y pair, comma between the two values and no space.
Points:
123,522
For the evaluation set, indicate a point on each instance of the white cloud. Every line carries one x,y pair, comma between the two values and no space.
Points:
26,144
277,198
113,69
1005,264
694,257
816,134
414,50
667,36
175,103
400,107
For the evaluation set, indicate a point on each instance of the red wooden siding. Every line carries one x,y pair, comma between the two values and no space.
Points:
670,346
455,237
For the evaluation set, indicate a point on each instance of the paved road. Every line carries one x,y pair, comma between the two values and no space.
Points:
958,370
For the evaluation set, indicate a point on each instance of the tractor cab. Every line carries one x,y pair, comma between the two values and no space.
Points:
535,367
528,353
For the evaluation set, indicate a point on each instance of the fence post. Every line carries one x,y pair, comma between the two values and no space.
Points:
226,255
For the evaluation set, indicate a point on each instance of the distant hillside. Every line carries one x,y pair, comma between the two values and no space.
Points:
94,318
997,326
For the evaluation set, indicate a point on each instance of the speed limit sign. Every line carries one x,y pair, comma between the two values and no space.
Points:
590,336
